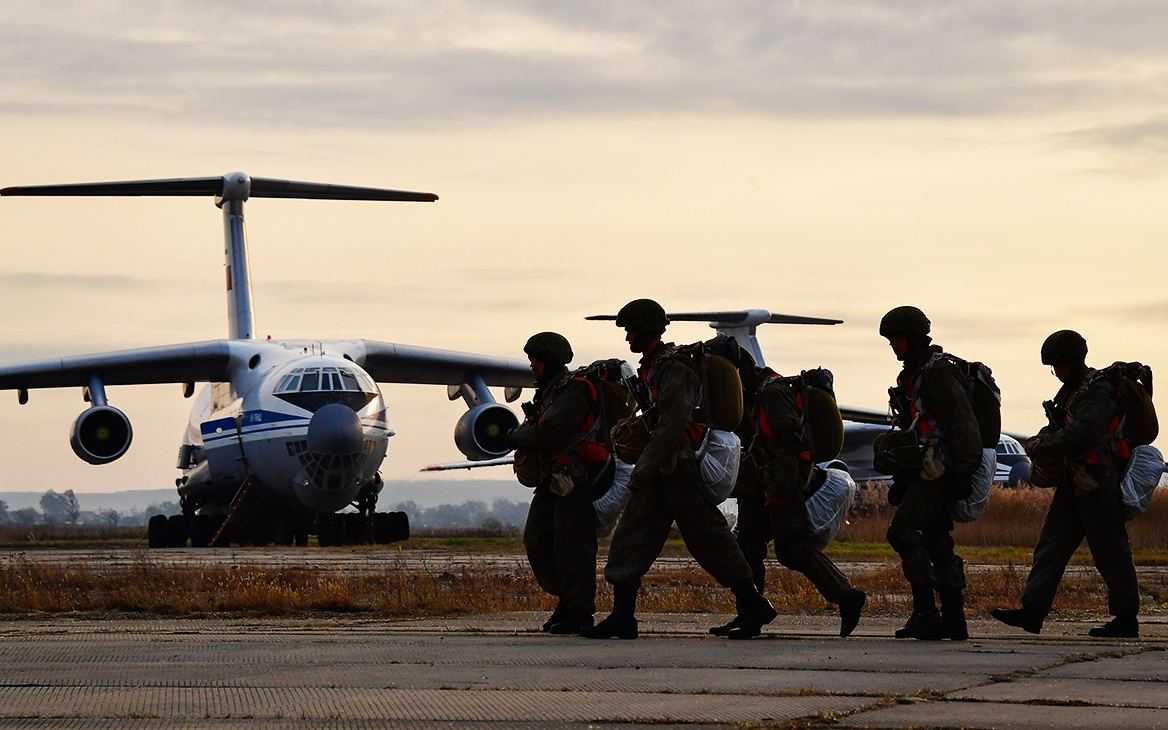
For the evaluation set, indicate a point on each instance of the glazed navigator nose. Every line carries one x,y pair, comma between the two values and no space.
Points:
335,429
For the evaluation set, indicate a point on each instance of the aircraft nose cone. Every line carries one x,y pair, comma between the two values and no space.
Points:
335,429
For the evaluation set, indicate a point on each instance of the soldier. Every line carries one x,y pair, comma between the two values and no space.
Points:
665,486
1081,444
774,484
555,455
934,408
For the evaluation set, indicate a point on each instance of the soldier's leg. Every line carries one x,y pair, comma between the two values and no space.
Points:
1062,532
708,538
703,528
754,534
1101,514
539,540
575,554
791,532
916,513
640,535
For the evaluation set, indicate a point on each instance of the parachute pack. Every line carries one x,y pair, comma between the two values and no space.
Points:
609,400
984,395
820,420
613,401
716,361
1133,382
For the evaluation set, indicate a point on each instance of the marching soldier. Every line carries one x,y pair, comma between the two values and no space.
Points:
1080,454
555,455
936,412
774,483
665,486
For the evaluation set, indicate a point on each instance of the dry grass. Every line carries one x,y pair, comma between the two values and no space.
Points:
155,588
1013,518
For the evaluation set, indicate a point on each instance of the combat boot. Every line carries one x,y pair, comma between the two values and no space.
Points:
1120,627
754,612
552,620
925,622
1021,618
850,612
571,624
953,615
621,623
725,629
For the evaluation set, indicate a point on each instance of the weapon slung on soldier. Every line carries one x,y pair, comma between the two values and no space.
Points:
637,387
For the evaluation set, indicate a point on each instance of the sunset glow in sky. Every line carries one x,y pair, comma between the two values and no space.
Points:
1000,165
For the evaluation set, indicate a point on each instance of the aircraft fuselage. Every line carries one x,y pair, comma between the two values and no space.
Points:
281,418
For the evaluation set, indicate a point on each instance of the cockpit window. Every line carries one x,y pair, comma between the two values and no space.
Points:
326,378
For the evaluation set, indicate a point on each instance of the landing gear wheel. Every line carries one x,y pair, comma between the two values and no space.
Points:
356,529
176,531
331,531
201,531
400,526
156,536
382,528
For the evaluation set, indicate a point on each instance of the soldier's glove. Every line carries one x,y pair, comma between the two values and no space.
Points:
897,490
960,486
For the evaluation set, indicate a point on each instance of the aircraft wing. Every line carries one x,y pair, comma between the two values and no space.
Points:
866,415
387,362
186,363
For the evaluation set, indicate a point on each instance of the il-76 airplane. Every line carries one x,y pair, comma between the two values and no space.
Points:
284,433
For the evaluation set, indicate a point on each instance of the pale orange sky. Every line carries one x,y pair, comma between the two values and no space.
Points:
1004,172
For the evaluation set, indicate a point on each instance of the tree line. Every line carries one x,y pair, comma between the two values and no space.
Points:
62,508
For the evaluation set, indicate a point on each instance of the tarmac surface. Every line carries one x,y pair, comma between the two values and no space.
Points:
497,670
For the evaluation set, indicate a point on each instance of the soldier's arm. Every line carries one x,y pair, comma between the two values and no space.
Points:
677,389
945,393
1087,423
560,422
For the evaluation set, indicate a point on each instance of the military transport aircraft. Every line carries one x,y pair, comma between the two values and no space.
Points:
284,433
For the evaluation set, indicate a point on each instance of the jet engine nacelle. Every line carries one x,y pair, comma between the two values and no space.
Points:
101,435
481,433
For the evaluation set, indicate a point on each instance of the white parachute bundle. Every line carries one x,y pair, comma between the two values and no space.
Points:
972,507
1140,479
827,508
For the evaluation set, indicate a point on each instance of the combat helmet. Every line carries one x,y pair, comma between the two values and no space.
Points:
643,315
549,347
906,321
1065,347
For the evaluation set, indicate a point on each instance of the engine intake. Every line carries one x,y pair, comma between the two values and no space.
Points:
481,433
101,435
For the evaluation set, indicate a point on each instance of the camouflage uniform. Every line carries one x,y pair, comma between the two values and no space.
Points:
658,499
560,535
1096,514
920,529
771,503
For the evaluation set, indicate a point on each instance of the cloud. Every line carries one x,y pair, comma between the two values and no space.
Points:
455,62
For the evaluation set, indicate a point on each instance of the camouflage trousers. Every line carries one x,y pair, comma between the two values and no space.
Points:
921,533
644,527
560,537
1097,516
787,525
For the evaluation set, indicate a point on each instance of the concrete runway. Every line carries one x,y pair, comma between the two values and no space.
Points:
496,671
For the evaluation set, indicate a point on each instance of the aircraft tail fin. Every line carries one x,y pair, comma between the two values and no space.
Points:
230,192
739,324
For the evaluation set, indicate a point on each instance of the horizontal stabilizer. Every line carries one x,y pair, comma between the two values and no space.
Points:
742,317
866,415
501,461
260,187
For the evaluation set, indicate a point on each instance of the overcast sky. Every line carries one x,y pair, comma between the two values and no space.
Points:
1000,165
